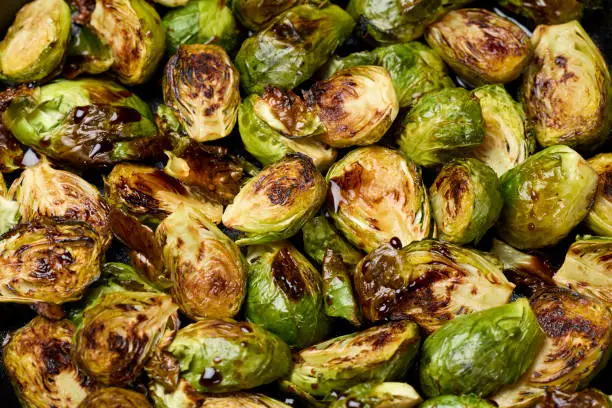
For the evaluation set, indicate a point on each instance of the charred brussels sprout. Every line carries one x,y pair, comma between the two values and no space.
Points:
599,219
35,45
545,197
370,212
550,11
507,141
242,400
38,361
429,282
465,200
480,46
356,105
87,53
201,87
276,203
206,268
84,123
319,235
338,289
48,260
381,353
11,152
373,395
293,47
441,126
480,352
567,90
257,14
113,397
201,22
457,401
590,398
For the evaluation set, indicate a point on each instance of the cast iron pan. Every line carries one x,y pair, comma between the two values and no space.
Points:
598,25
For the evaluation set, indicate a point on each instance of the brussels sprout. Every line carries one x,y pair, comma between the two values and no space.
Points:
319,235
206,268
480,46
442,125
87,53
113,397
201,87
457,401
34,46
285,294
381,353
133,30
43,191
567,89
506,142
11,152
429,282
201,22
293,47
599,219
578,333
590,398
50,261
84,123
270,123
550,11
338,289
276,203
257,14
545,197
374,395
465,200
38,362
480,352
370,212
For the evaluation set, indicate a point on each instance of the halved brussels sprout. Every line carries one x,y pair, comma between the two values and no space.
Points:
545,197
35,44
589,398
38,361
550,11
43,191
599,219
276,203
201,22
375,195
457,401
242,400
11,152
567,89
113,397
429,282
292,47
133,30
480,352
257,14
507,141
381,353
275,124
285,294
48,260
339,298
319,236
578,333
442,125
356,105
206,268
84,123
87,53
465,200
379,395
480,45
201,87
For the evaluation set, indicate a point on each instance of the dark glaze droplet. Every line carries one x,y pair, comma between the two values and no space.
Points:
396,243
210,377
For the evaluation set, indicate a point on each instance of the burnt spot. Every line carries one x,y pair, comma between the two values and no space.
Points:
211,109
288,108
351,179
605,183
288,276
561,61
55,355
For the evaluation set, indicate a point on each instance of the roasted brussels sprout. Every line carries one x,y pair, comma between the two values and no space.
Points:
201,87
590,398
38,361
43,191
339,298
87,53
278,123
319,235
545,197
507,142
242,400
550,11
257,14
276,203
429,282
442,125
206,268
599,219
578,338
84,123
193,24
35,45
48,260
370,212
480,46
285,294
567,89
113,397
381,353
11,152
465,200
293,47
480,352
457,401
379,395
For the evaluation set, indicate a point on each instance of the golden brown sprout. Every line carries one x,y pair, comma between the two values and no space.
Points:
113,397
